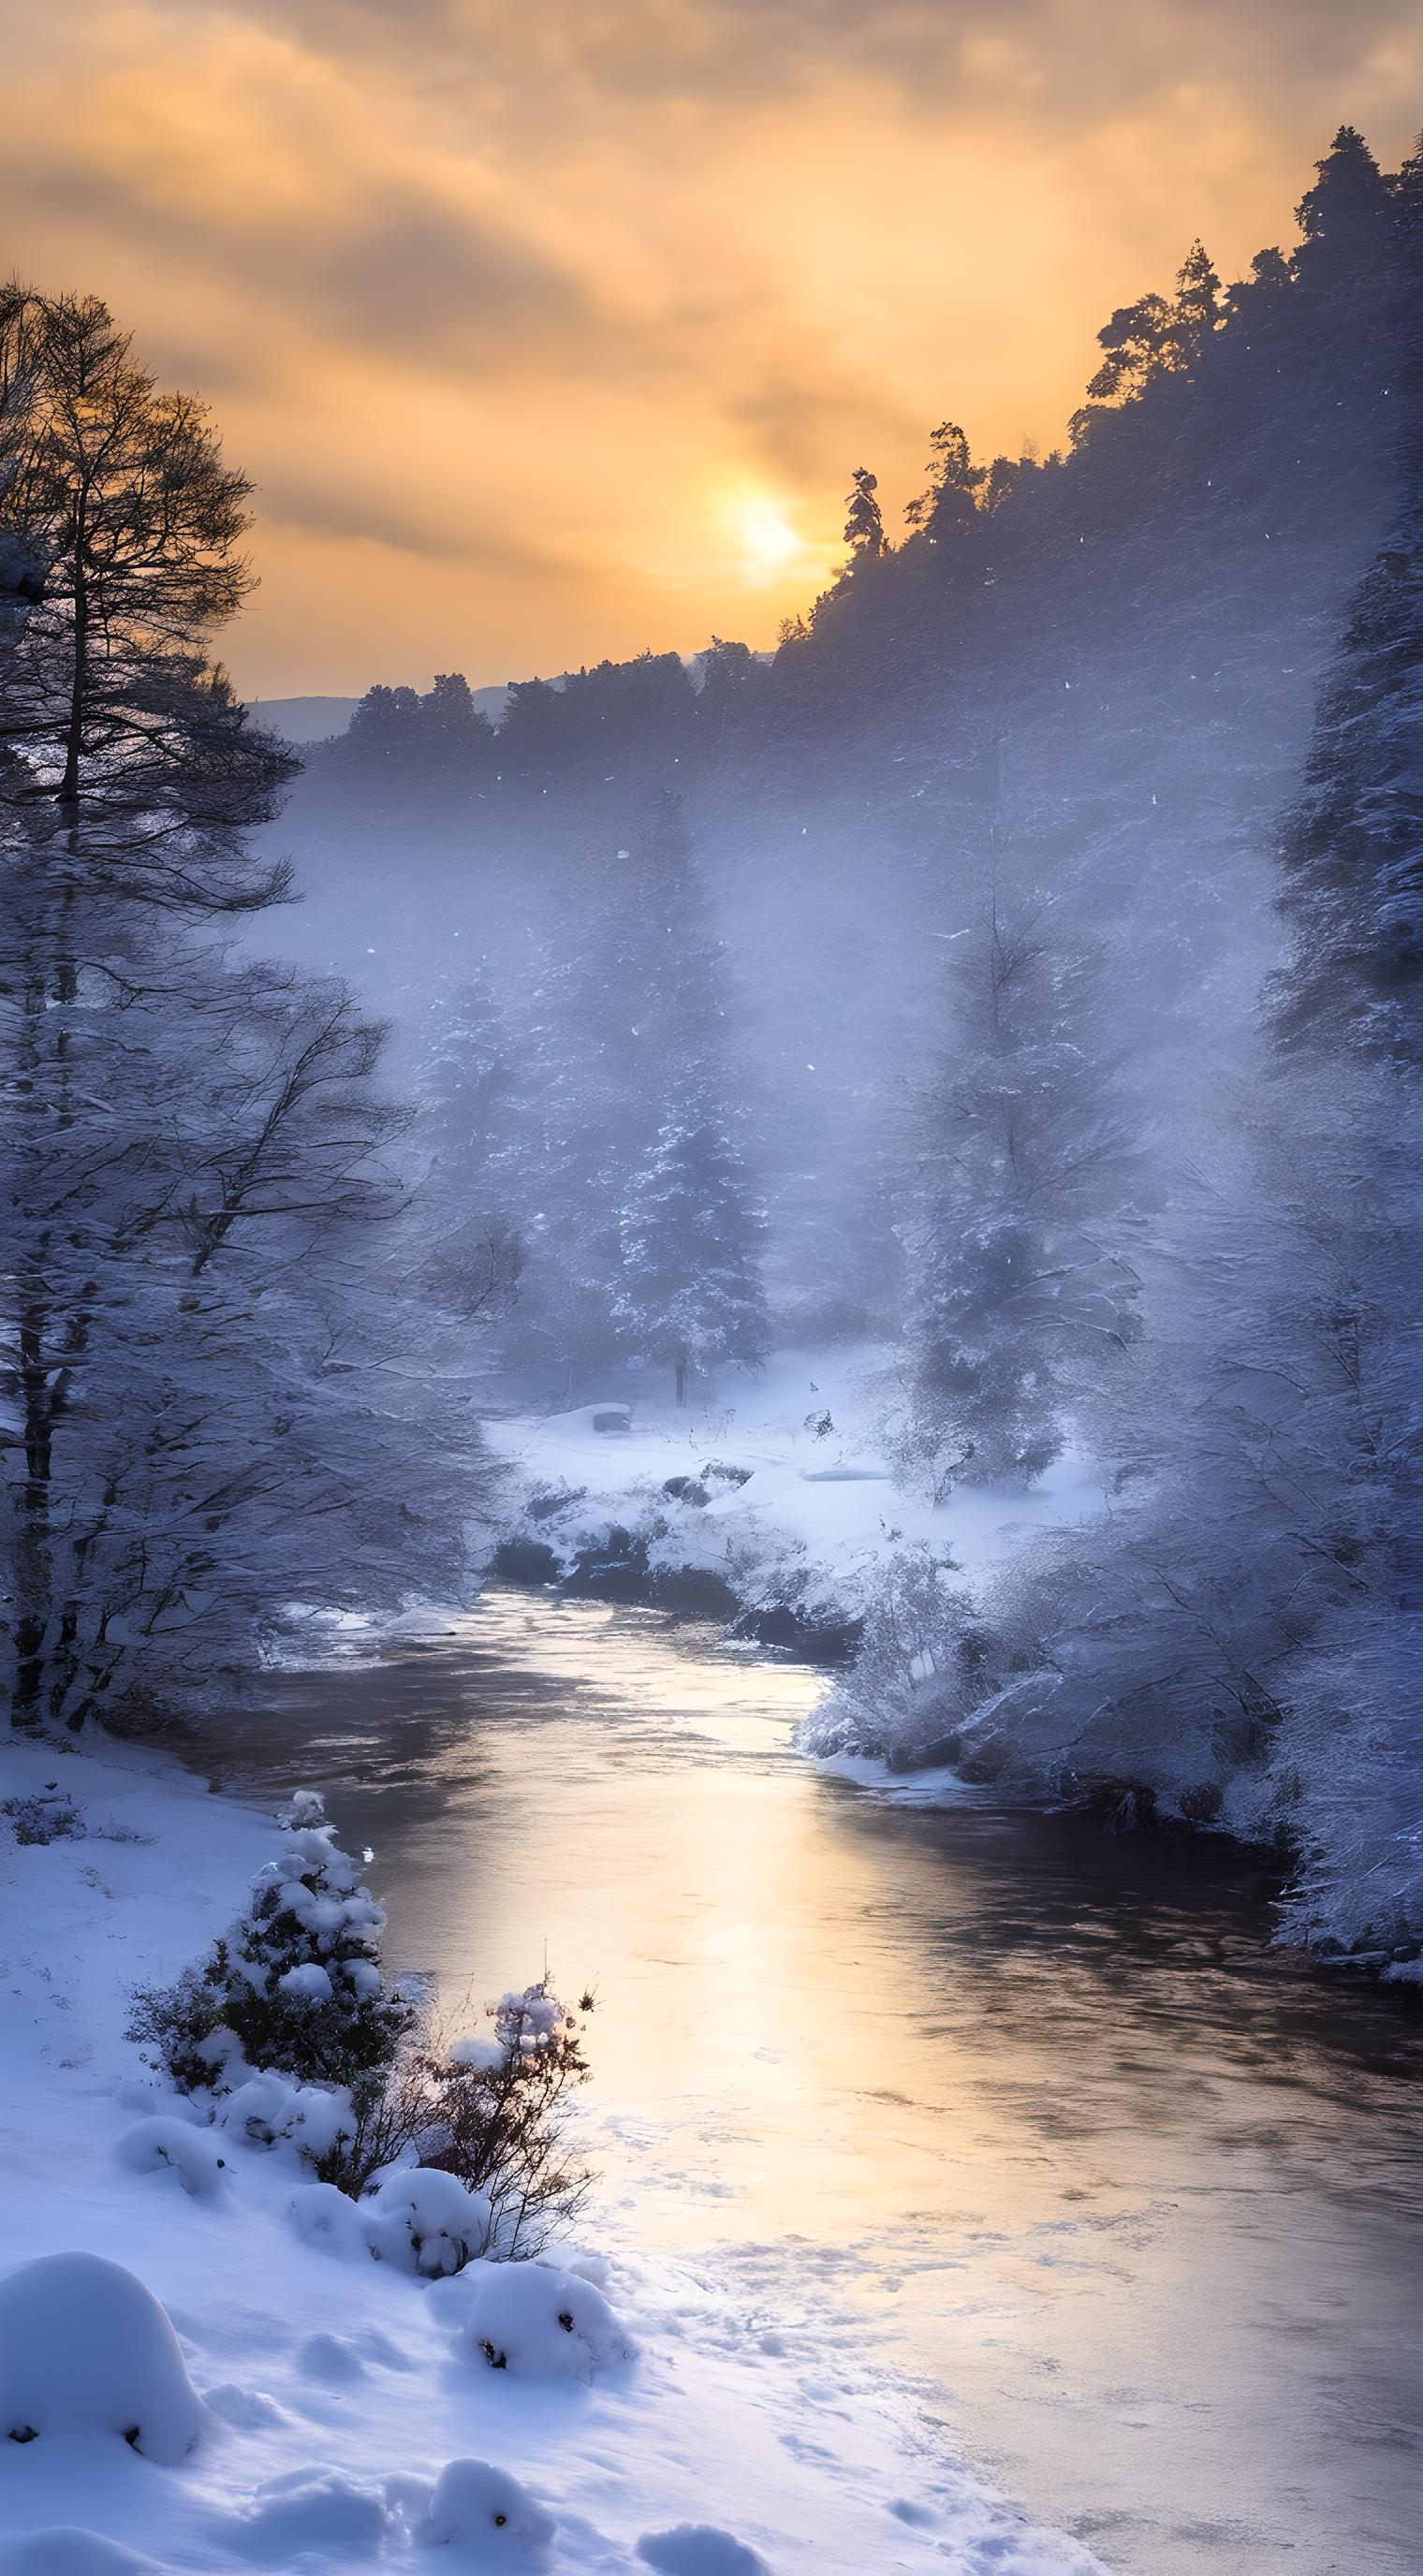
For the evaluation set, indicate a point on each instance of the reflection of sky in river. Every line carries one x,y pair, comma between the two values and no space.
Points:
1034,2102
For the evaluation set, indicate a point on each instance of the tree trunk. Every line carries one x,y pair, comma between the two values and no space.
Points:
681,1369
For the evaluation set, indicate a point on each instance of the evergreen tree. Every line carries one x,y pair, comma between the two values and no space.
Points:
864,525
1353,850
948,506
690,1296
1021,1280
468,1125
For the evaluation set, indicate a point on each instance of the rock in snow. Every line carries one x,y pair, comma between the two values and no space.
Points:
84,2347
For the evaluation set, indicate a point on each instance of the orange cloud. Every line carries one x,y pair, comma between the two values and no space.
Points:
554,333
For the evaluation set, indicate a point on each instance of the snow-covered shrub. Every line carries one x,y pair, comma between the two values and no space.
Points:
317,2119
84,2347
488,2516
488,2110
542,2323
295,1986
47,1815
325,2217
175,2147
424,2220
921,1638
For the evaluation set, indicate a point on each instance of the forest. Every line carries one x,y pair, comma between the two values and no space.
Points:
1014,973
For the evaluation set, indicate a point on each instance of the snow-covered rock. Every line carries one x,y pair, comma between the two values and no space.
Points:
489,2516
69,2551
84,2347
541,2323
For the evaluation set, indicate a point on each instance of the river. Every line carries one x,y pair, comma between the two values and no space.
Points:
1032,2107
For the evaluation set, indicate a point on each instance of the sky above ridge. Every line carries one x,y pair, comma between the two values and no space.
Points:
554,332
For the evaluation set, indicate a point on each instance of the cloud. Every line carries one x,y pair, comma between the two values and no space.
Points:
508,310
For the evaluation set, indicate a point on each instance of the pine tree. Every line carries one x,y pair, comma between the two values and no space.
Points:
1353,850
1021,1278
469,1105
690,1296
864,525
295,1987
948,506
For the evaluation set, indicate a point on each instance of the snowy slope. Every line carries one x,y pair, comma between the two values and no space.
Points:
336,2389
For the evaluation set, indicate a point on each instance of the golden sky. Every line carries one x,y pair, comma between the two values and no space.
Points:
552,328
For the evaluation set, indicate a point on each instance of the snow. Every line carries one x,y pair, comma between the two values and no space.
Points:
84,2347
696,2549
343,2410
489,2515
817,1514
538,2322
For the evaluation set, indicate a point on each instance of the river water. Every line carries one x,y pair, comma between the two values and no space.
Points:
1033,2107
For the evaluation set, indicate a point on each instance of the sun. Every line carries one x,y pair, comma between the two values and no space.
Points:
768,541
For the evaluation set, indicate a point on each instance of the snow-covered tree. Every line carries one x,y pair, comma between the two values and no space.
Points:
691,1236
210,1413
294,1987
469,1133
1353,849
1022,1281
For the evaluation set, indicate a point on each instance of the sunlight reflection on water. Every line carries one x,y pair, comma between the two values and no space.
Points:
1034,2104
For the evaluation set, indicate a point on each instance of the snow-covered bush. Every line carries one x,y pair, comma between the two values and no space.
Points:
317,2119
424,2220
175,2147
921,1637
48,1815
486,2110
85,2348
542,2323
488,2516
296,1986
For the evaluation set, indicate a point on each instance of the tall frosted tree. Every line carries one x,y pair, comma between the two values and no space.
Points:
203,1423
691,1296
1021,1277
469,1213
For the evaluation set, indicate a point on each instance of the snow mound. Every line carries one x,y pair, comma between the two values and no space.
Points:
699,2549
172,2146
310,2510
543,2324
426,2221
325,2217
85,2347
489,2514
68,2551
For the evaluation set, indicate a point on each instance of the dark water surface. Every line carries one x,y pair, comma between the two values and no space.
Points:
1033,2105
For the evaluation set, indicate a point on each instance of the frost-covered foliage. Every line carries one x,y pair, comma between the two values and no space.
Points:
294,1989
485,2117
84,2349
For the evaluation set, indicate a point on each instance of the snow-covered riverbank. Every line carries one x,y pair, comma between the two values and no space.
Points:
337,2390
777,1498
